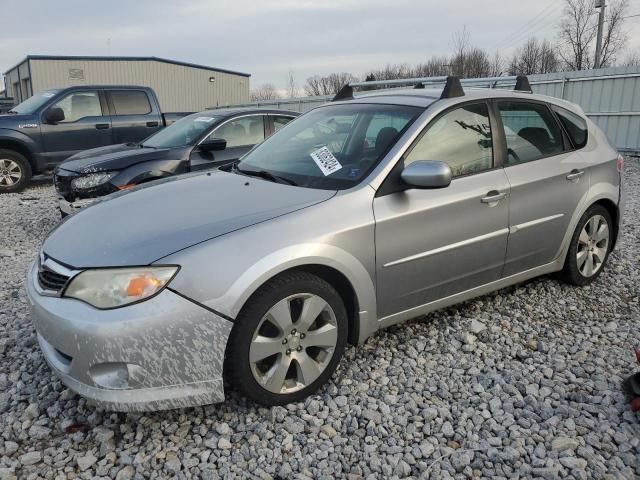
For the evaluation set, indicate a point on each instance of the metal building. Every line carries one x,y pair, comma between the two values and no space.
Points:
179,86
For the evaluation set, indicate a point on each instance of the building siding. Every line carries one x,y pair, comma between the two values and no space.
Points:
178,87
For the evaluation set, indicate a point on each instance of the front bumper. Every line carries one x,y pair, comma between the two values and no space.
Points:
163,353
69,208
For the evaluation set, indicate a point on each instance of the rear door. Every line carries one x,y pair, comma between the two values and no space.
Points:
86,125
241,134
433,243
548,180
132,116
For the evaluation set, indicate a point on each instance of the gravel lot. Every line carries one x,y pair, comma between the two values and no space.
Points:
523,383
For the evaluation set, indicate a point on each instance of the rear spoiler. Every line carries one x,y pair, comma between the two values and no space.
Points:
452,85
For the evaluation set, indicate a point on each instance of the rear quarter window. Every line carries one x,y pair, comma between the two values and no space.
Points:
130,102
575,125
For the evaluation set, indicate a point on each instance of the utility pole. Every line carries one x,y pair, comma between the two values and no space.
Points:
601,4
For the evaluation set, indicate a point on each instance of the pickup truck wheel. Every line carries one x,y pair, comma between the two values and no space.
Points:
15,171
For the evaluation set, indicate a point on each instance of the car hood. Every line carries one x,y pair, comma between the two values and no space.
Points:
18,121
142,225
117,157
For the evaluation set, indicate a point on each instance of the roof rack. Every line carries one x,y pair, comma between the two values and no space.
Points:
452,85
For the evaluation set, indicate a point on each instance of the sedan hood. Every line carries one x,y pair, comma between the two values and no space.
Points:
116,157
142,225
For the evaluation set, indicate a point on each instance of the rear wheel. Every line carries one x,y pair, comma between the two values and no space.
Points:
15,171
288,339
590,247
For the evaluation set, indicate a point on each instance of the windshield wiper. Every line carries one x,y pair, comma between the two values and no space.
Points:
12,111
265,175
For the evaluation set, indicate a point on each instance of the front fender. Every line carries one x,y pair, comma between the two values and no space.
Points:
302,255
9,135
142,172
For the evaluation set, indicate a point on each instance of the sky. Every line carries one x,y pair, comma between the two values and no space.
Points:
269,38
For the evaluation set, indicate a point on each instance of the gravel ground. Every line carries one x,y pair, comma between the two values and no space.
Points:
523,383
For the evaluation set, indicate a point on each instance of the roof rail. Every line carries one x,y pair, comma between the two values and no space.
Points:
453,85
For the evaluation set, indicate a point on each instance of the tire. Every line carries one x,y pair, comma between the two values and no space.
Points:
256,333
15,171
591,247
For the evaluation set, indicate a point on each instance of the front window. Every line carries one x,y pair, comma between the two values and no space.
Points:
332,147
183,132
79,105
32,104
460,138
241,132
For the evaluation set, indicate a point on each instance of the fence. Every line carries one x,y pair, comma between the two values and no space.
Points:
609,96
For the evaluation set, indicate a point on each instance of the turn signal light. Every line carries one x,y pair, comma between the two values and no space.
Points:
620,163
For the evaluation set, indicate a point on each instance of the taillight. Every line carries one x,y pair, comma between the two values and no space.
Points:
620,163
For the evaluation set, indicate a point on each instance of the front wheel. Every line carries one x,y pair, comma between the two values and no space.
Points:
287,340
590,247
15,171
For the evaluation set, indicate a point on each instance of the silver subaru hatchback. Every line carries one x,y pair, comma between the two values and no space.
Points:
358,215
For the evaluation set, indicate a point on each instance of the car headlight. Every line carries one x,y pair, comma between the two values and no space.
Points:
115,287
91,180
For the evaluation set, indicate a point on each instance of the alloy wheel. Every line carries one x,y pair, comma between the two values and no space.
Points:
10,172
294,343
592,246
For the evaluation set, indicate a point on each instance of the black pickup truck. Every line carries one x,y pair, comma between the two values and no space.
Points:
54,124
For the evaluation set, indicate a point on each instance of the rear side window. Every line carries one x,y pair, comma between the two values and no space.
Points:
279,122
461,138
575,125
130,102
531,132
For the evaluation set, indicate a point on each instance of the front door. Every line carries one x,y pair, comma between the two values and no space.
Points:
85,126
241,134
433,243
548,181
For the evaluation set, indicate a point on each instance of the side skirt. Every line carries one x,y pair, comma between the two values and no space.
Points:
471,293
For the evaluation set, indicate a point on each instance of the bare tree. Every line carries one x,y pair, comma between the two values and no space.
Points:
614,38
632,59
328,84
434,67
534,57
578,30
266,91
292,86
497,65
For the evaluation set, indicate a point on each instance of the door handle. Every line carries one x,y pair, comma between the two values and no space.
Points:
575,175
493,197
152,124
102,126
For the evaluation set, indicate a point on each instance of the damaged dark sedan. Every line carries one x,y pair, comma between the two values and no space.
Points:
199,141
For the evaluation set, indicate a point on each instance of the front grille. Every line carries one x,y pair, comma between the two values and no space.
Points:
53,281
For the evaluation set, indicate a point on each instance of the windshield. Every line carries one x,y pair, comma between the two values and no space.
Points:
31,104
183,132
332,147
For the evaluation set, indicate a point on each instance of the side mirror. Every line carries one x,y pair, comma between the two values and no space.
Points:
213,144
54,115
427,174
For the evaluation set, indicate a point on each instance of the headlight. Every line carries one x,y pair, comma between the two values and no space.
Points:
116,287
91,180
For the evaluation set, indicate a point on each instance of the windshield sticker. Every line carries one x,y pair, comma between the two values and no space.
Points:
204,119
325,161
48,95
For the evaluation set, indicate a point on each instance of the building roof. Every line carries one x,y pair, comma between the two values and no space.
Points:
125,59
